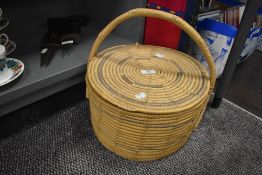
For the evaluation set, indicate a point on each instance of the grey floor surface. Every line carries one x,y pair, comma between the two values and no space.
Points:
54,136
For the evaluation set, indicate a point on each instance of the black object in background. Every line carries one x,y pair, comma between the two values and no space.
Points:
192,10
61,31
237,47
51,41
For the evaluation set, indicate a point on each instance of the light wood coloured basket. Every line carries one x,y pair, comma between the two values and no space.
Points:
146,100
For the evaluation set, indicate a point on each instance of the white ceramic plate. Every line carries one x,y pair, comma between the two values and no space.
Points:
10,69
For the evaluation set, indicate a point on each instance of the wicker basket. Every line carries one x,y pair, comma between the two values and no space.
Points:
146,100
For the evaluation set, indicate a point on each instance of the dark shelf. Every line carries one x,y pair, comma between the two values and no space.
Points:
26,28
65,70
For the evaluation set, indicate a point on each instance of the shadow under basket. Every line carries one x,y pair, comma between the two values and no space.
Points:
146,100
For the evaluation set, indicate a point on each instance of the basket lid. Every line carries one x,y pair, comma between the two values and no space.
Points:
149,79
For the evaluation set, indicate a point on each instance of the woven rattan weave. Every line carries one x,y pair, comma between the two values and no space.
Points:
146,100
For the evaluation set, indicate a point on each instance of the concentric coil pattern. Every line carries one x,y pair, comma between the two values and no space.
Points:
145,100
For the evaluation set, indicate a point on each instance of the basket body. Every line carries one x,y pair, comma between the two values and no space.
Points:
145,100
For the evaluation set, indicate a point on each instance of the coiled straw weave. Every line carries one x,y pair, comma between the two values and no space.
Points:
146,100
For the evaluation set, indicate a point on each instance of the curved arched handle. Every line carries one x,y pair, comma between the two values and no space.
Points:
142,12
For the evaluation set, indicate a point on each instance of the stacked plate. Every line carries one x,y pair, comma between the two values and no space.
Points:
10,69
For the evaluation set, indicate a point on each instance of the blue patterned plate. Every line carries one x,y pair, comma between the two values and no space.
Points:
10,69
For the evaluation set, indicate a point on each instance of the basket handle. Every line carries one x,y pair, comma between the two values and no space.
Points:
140,12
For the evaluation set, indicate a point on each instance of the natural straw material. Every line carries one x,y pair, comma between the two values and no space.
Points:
146,100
